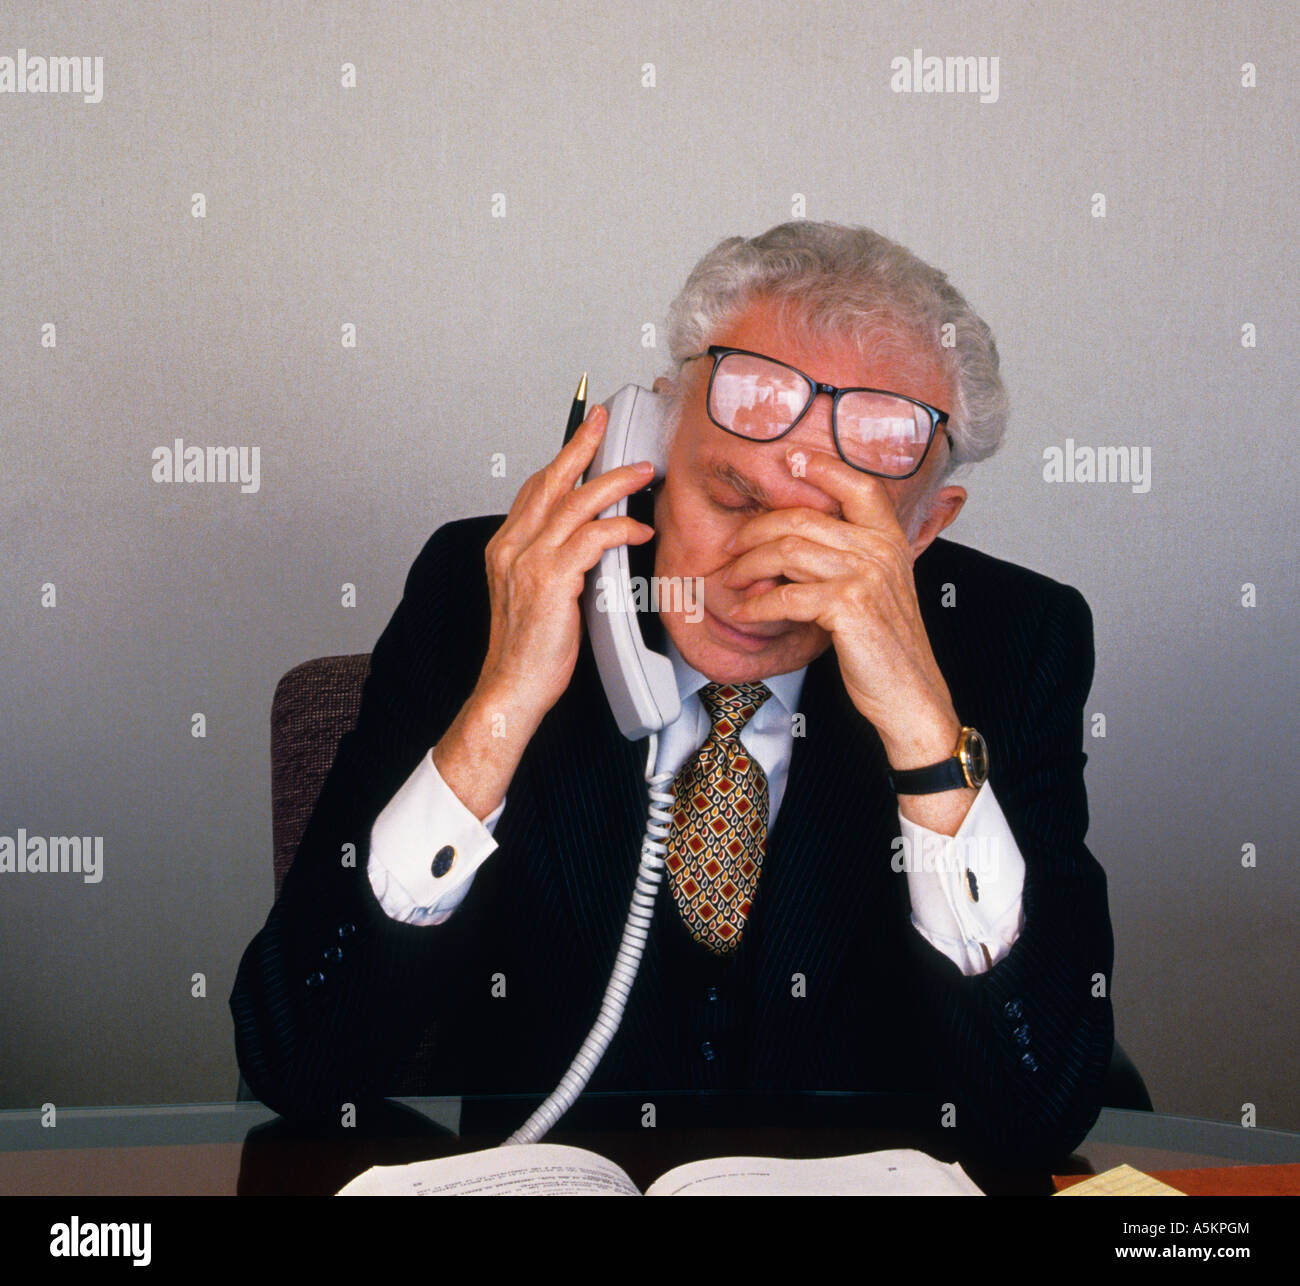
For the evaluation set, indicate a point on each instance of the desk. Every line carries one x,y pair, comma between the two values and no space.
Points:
244,1148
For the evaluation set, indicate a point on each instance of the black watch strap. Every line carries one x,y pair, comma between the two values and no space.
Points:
968,766
928,781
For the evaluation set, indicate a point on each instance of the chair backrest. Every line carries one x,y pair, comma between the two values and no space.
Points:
314,704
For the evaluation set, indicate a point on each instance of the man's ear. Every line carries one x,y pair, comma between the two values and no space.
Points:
945,505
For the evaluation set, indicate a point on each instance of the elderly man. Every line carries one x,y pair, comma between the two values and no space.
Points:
875,870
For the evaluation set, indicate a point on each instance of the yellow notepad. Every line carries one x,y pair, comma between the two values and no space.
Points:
1122,1181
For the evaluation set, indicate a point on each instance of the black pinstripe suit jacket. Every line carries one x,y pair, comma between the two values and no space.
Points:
832,988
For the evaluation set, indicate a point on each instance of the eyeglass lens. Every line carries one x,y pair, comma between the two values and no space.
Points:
760,399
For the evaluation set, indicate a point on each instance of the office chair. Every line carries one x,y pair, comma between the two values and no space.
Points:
314,704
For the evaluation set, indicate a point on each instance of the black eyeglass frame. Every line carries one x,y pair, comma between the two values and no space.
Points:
937,417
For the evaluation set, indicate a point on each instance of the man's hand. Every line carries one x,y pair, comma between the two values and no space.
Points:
852,575
536,564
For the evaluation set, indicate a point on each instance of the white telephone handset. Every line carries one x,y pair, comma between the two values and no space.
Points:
642,692
638,681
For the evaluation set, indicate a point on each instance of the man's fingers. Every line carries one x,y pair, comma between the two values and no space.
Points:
792,602
580,507
813,526
862,496
583,549
794,558
577,453
540,492
551,491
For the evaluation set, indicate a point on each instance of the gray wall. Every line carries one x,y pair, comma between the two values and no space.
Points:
373,205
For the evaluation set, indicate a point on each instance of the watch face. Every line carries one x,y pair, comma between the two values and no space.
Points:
974,757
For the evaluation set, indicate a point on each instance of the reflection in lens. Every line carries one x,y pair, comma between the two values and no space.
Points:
755,397
882,433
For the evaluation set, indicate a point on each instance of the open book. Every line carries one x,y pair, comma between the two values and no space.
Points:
551,1169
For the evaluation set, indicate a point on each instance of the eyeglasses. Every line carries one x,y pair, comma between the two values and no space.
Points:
875,431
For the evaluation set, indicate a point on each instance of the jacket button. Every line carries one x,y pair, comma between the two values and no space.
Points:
347,929
711,994
333,954
1013,1008
316,979
1030,1062
706,1050
442,861
1021,1034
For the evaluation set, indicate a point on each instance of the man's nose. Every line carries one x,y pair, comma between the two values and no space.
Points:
818,416
813,433
815,429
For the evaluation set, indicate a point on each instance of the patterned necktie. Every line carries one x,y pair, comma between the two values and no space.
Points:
719,826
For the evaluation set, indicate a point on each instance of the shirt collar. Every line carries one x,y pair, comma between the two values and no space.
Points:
785,688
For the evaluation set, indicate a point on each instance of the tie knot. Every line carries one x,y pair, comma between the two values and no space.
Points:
732,705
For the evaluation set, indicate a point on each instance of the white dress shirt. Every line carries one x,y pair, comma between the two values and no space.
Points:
425,817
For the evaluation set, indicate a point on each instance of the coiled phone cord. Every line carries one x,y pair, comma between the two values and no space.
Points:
636,931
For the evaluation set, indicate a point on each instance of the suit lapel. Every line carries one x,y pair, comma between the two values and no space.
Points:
827,867
596,824
598,816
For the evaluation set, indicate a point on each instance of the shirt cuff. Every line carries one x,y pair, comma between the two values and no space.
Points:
965,888
425,848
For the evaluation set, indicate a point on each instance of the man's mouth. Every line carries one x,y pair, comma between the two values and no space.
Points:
751,640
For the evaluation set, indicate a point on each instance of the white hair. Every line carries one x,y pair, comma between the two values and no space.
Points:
835,281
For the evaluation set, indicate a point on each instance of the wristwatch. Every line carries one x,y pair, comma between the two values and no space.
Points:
969,766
